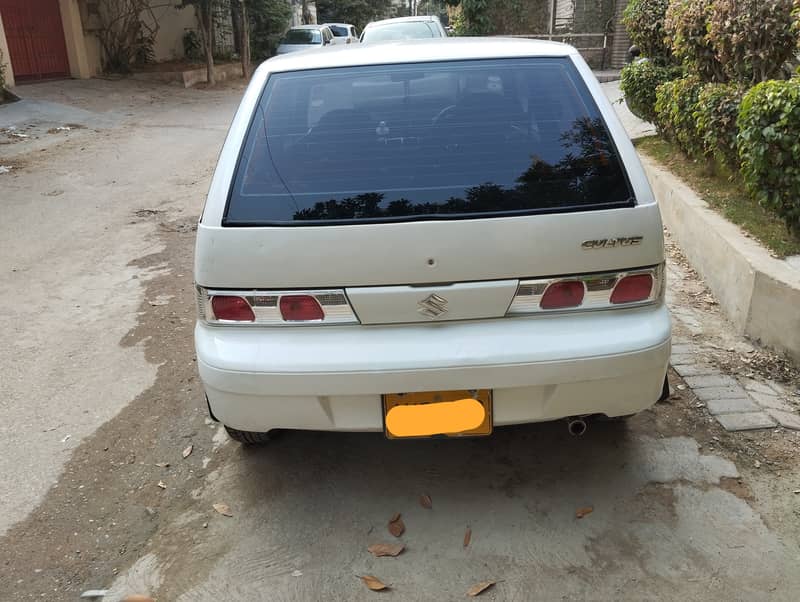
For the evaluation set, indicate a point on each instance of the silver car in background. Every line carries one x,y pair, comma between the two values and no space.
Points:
403,28
305,37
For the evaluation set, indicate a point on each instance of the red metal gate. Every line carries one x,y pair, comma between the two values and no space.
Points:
35,36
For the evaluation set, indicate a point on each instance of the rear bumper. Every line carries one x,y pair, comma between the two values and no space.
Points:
332,378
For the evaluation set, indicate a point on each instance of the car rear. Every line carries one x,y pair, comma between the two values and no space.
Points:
488,235
300,38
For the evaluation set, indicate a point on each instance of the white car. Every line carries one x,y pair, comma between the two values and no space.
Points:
305,37
403,28
345,33
487,251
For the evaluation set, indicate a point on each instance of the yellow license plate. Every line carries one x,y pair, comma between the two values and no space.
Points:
450,413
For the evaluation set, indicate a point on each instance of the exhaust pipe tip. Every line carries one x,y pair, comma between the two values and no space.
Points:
576,427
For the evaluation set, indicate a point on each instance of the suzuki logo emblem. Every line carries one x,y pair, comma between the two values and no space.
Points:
432,306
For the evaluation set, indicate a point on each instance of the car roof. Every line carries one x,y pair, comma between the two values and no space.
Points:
339,24
312,26
419,18
417,51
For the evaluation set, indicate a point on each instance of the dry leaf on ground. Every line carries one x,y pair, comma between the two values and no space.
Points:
162,484
479,588
386,549
137,598
425,501
187,452
162,464
396,525
581,512
373,583
467,537
223,509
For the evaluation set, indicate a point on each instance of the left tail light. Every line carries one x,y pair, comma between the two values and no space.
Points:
274,308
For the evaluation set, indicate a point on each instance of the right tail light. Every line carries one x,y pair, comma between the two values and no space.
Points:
591,291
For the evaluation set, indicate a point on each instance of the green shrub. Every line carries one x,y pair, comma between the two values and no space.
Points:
686,26
769,147
644,20
715,118
752,38
639,81
676,102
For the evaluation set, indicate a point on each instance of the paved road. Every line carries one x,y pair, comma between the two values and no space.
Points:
95,281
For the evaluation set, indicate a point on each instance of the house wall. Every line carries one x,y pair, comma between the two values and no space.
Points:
6,56
173,23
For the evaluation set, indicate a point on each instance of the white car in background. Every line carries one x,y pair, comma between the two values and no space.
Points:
486,251
305,37
403,28
345,33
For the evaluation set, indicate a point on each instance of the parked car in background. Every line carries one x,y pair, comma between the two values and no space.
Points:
305,37
403,28
344,32
483,250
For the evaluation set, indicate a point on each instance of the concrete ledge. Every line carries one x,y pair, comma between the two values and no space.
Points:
758,293
190,77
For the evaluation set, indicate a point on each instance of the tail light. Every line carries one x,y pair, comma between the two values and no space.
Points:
591,291
301,308
563,294
274,308
232,309
632,289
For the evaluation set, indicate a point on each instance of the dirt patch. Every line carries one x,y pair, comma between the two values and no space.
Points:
106,506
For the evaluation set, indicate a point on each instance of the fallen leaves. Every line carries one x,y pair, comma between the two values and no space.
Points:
425,501
396,525
162,484
187,452
467,536
386,549
137,598
479,588
373,583
581,512
162,464
223,509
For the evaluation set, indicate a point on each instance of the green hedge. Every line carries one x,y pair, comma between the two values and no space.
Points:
676,102
638,82
769,147
715,117
644,20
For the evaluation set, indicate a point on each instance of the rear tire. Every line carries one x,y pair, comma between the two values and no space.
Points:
248,437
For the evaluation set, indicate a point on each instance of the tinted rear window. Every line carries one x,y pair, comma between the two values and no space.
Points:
302,36
425,141
339,31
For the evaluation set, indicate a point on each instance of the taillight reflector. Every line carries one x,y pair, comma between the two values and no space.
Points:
235,309
632,288
300,308
564,294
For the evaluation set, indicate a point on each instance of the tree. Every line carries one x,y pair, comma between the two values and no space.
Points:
204,12
268,19
123,35
357,12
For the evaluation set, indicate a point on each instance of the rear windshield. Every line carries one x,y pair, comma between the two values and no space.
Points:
339,31
410,30
302,36
453,140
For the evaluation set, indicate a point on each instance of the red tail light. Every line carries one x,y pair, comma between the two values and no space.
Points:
632,288
300,308
235,309
564,294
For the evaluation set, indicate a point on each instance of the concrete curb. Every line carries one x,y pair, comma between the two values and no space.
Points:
758,293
